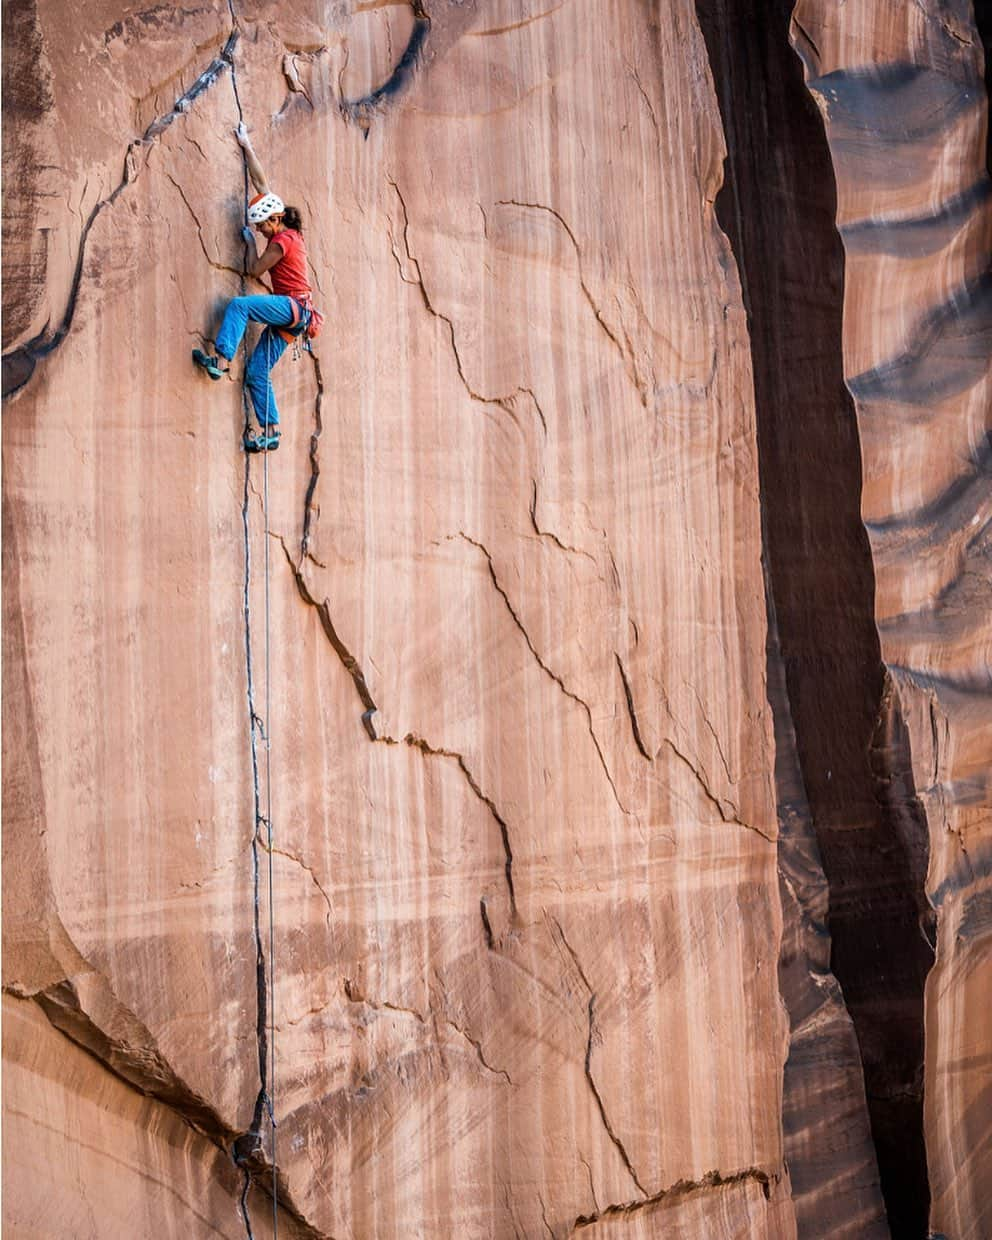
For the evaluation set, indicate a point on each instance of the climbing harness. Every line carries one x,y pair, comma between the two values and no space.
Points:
305,325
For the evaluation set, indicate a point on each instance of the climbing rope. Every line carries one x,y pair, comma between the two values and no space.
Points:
268,822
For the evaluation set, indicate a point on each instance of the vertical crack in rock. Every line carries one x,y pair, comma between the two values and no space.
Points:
19,364
629,696
590,1040
487,926
308,501
778,207
544,667
247,1149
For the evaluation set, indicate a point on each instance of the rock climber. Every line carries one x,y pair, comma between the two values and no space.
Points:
286,312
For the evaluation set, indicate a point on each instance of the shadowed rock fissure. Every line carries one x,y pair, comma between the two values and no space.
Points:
777,208
248,1150
983,23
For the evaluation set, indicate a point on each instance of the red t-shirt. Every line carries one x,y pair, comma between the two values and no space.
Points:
289,275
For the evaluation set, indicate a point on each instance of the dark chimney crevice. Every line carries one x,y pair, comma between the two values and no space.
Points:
777,207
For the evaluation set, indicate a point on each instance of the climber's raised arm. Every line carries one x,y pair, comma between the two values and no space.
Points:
254,167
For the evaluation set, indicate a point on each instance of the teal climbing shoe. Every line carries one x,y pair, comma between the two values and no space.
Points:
261,442
210,364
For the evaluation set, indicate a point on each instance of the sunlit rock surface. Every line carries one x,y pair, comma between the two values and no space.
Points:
552,889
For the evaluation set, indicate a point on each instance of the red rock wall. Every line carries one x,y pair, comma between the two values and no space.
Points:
550,865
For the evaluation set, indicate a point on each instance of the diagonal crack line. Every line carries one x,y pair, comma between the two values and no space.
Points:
20,363
477,1044
354,994
503,402
418,742
350,663
145,1070
713,732
281,852
621,1150
644,95
199,229
628,694
544,667
710,796
627,356
712,1179
549,534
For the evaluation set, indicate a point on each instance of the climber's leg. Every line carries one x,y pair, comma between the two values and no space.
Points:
268,351
259,308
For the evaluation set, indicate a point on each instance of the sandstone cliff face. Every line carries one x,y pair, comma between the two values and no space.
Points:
624,710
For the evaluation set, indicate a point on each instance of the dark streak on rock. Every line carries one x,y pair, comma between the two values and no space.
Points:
916,236
948,352
361,111
892,104
960,506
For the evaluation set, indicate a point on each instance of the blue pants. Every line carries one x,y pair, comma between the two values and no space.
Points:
274,312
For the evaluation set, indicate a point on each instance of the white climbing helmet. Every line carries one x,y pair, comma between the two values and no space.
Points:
262,206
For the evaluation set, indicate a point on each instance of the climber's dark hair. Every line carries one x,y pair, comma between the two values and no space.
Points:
291,219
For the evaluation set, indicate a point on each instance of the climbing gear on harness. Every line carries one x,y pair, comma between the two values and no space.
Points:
262,206
210,364
307,321
264,441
